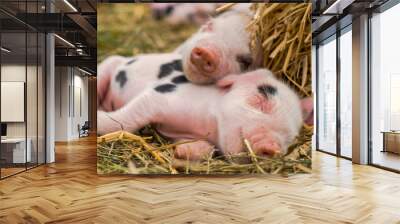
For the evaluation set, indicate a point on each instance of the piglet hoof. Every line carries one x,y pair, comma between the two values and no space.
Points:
194,150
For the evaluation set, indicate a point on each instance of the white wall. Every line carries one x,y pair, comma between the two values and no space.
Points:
12,73
33,127
61,103
70,84
50,95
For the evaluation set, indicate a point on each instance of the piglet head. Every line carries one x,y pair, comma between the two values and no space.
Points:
266,110
221,47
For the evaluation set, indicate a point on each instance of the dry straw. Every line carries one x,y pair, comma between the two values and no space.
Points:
281,34
123,152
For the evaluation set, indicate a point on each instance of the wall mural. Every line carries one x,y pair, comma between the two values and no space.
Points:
204,88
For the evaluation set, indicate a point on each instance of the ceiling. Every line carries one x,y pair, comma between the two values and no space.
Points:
328,16
74,22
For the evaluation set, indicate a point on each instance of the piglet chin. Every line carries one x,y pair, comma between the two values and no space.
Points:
194,76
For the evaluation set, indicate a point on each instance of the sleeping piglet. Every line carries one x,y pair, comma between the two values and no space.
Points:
220,47
253,105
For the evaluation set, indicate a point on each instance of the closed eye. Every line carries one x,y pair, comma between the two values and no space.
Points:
267,90
244,61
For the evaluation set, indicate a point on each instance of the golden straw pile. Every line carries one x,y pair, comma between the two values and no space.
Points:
124,152
281,33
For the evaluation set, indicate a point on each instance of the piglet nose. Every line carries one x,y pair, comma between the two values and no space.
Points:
204,59
269,149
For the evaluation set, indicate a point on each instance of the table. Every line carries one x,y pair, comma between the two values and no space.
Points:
13,150
391,141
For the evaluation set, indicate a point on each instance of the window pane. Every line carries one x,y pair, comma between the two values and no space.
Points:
41,99
345,94
31,97
15,151
327,97
385,114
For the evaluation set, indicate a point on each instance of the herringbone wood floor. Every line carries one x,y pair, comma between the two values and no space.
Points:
70,191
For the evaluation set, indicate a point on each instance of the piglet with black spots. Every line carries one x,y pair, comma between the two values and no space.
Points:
254,105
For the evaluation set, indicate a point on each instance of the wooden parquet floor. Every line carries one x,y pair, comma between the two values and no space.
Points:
70,191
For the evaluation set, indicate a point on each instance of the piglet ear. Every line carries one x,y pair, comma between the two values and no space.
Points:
307,106
227,81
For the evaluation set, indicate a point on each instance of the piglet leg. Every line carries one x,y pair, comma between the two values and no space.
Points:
193,150
138,113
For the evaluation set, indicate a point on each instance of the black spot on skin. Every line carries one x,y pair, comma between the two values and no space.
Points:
165,70
169,10
121,78
165,88
131,61
177,64
180,79
267,90
168,68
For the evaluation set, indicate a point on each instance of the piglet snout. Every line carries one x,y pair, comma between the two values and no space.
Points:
263,143
267,148
205,60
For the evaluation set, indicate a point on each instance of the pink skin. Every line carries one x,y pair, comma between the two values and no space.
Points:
220,116
308,112
194,150
112,102
260,103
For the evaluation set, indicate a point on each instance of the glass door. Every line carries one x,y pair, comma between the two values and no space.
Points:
346,92
22,98
326,104
385,89
14,156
